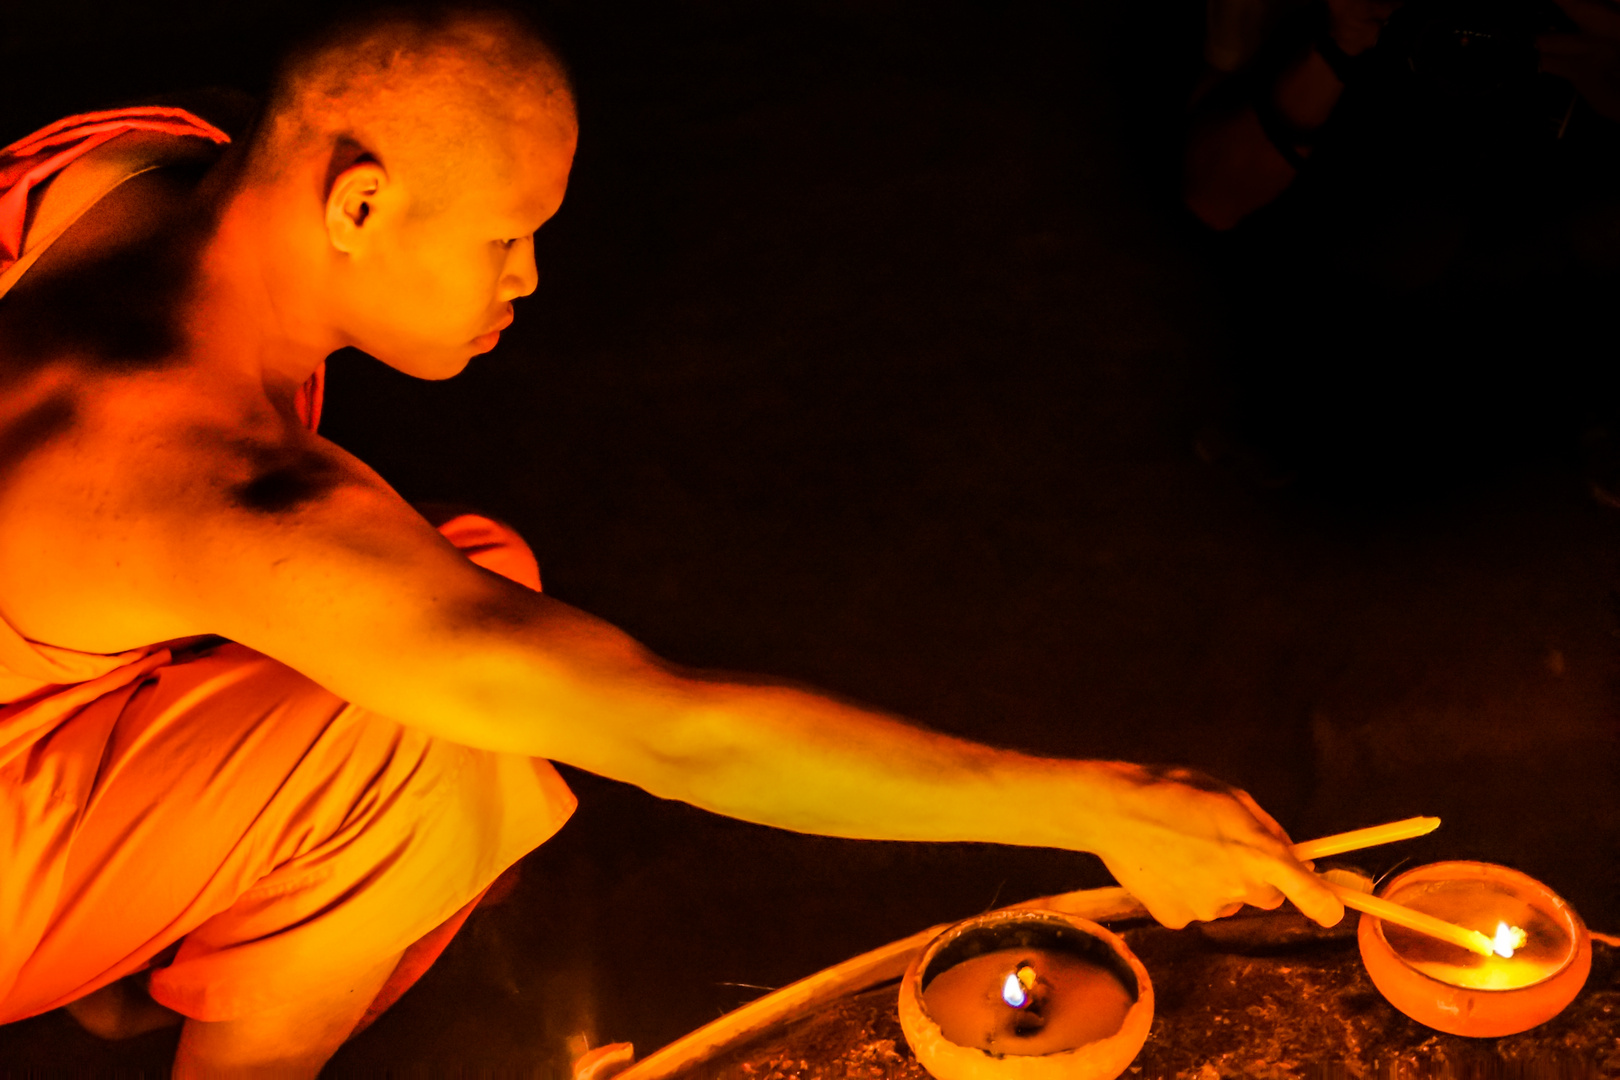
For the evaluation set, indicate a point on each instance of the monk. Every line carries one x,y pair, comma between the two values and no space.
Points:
269,728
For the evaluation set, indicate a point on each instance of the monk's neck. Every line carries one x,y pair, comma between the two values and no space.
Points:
259,303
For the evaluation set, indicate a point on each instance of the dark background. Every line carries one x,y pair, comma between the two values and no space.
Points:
873,350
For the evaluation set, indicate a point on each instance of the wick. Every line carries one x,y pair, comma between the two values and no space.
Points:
1015,990
1508,940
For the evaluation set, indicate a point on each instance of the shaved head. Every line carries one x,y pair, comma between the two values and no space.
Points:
441,96
394,183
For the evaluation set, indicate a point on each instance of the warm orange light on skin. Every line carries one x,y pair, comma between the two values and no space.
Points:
427,292
190,499
137,523
423,286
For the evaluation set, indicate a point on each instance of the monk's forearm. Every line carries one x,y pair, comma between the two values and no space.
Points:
797,760
529,675
548,680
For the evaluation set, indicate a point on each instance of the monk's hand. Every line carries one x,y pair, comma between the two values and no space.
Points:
1190,847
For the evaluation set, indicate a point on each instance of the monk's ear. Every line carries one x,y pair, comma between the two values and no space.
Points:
351,205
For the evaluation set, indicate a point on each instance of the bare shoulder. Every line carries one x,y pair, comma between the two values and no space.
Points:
162,505
109,482
153,487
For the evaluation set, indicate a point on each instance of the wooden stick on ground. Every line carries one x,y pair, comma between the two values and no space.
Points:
890,961
870,969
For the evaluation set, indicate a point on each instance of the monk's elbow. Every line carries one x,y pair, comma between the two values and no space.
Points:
690,748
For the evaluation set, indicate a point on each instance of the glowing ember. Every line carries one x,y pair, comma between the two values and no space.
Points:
1508,938
1015,990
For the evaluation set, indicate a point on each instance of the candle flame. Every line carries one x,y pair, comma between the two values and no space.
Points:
1015,989
1013,992
1508,938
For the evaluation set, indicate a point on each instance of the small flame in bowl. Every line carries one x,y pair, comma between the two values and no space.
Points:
1016,987
1508,938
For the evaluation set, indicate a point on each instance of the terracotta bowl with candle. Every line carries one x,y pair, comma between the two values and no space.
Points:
1536,974
1026,995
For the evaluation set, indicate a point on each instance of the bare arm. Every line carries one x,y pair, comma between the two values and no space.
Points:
294,548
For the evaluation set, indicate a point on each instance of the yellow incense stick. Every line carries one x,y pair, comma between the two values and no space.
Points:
1472,940
1356,839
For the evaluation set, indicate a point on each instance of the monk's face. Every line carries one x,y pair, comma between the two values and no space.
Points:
428,291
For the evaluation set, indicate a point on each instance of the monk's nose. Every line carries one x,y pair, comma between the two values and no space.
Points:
519,277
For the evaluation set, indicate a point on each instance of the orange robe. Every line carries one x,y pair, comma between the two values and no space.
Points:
204,812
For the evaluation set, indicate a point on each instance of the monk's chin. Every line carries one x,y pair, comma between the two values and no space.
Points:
431,368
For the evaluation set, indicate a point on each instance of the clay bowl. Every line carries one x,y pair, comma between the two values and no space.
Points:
1448,988
1046,931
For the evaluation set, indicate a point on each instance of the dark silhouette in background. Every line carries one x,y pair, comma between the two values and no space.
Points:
1426,233
870,349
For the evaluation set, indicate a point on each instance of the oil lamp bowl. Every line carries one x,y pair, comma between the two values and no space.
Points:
1449,989
1034,930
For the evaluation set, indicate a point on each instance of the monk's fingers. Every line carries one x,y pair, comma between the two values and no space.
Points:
1266,898
1226,898
1218,907
1218,897
1168,905
1170,914
1308,892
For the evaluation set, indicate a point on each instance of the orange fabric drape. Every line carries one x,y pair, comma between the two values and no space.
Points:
200,811
32,161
